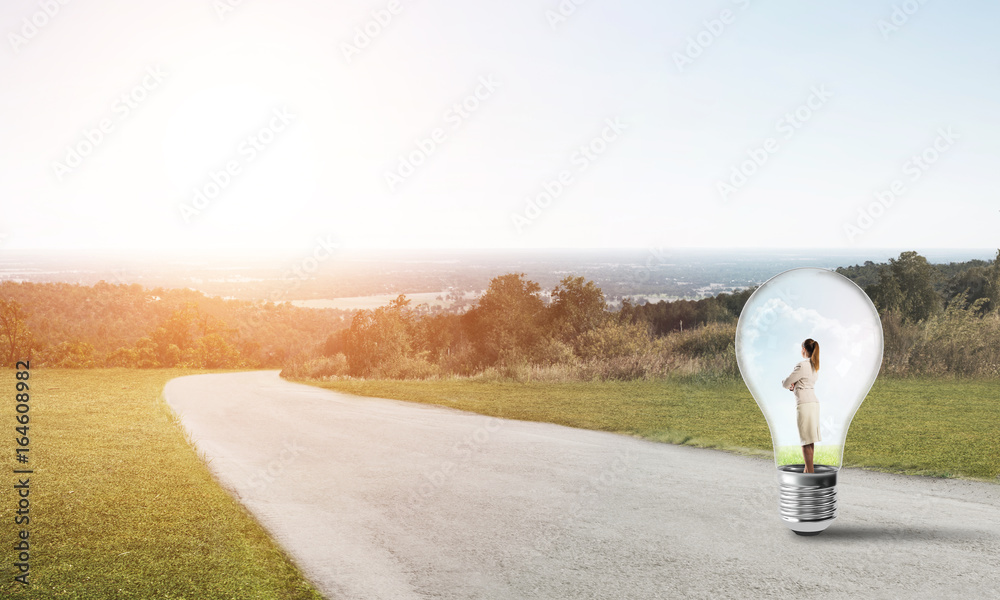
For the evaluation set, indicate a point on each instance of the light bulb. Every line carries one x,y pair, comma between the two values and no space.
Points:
822,305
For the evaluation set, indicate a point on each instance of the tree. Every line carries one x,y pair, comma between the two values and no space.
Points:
993,284
577,307
886,295
123,357
380,337
15,339
73,355
212,351
438,334
507,322
907,286
336,343
863,275
177,329
971,285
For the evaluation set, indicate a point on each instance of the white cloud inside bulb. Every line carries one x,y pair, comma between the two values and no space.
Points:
800,304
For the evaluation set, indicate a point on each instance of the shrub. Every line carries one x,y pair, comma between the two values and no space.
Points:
406,367
551,351
707,341
615,340
324,367
900,338
628,367
960,342
72,355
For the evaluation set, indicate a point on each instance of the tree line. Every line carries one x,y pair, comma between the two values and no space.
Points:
937,319
106,325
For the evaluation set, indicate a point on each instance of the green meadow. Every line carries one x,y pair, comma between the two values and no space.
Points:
823,455
122,506
918,426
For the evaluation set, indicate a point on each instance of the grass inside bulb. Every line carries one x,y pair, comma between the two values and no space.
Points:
790,308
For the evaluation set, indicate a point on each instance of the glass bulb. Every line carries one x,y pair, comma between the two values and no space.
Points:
822,305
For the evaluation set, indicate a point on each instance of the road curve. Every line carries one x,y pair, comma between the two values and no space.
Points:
385,499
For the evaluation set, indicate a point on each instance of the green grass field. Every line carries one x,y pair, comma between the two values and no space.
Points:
122,506
925,426
824,455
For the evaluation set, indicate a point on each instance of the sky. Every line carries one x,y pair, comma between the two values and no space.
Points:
786,310
222,124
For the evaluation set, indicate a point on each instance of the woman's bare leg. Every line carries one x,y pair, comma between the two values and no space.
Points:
807,454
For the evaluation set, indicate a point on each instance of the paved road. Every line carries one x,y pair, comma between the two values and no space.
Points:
385,499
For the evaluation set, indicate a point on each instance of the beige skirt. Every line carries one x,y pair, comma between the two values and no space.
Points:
808,418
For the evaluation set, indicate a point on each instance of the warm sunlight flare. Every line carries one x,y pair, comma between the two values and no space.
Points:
397,299
444,125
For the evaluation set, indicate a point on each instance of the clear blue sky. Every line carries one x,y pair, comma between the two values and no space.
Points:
348,121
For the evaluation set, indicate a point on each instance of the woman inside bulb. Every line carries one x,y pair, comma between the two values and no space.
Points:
802,381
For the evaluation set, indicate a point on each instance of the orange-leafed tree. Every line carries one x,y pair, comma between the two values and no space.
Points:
15,339
508,323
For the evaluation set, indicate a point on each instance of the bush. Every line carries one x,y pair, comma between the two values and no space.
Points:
71,355
959,342
460,361
710,340
324,367
123,357
900,339
615,340
634,366
406,367
551,351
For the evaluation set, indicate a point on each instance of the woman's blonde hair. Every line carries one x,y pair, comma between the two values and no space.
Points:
812,349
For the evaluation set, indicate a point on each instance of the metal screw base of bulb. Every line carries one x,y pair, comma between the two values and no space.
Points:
807,501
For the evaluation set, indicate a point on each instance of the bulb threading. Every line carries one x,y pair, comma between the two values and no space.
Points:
807,501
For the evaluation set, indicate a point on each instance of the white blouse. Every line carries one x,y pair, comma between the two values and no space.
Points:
804,379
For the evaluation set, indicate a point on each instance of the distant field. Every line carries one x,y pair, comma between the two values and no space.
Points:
370,302
936,427
430,298
121,505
